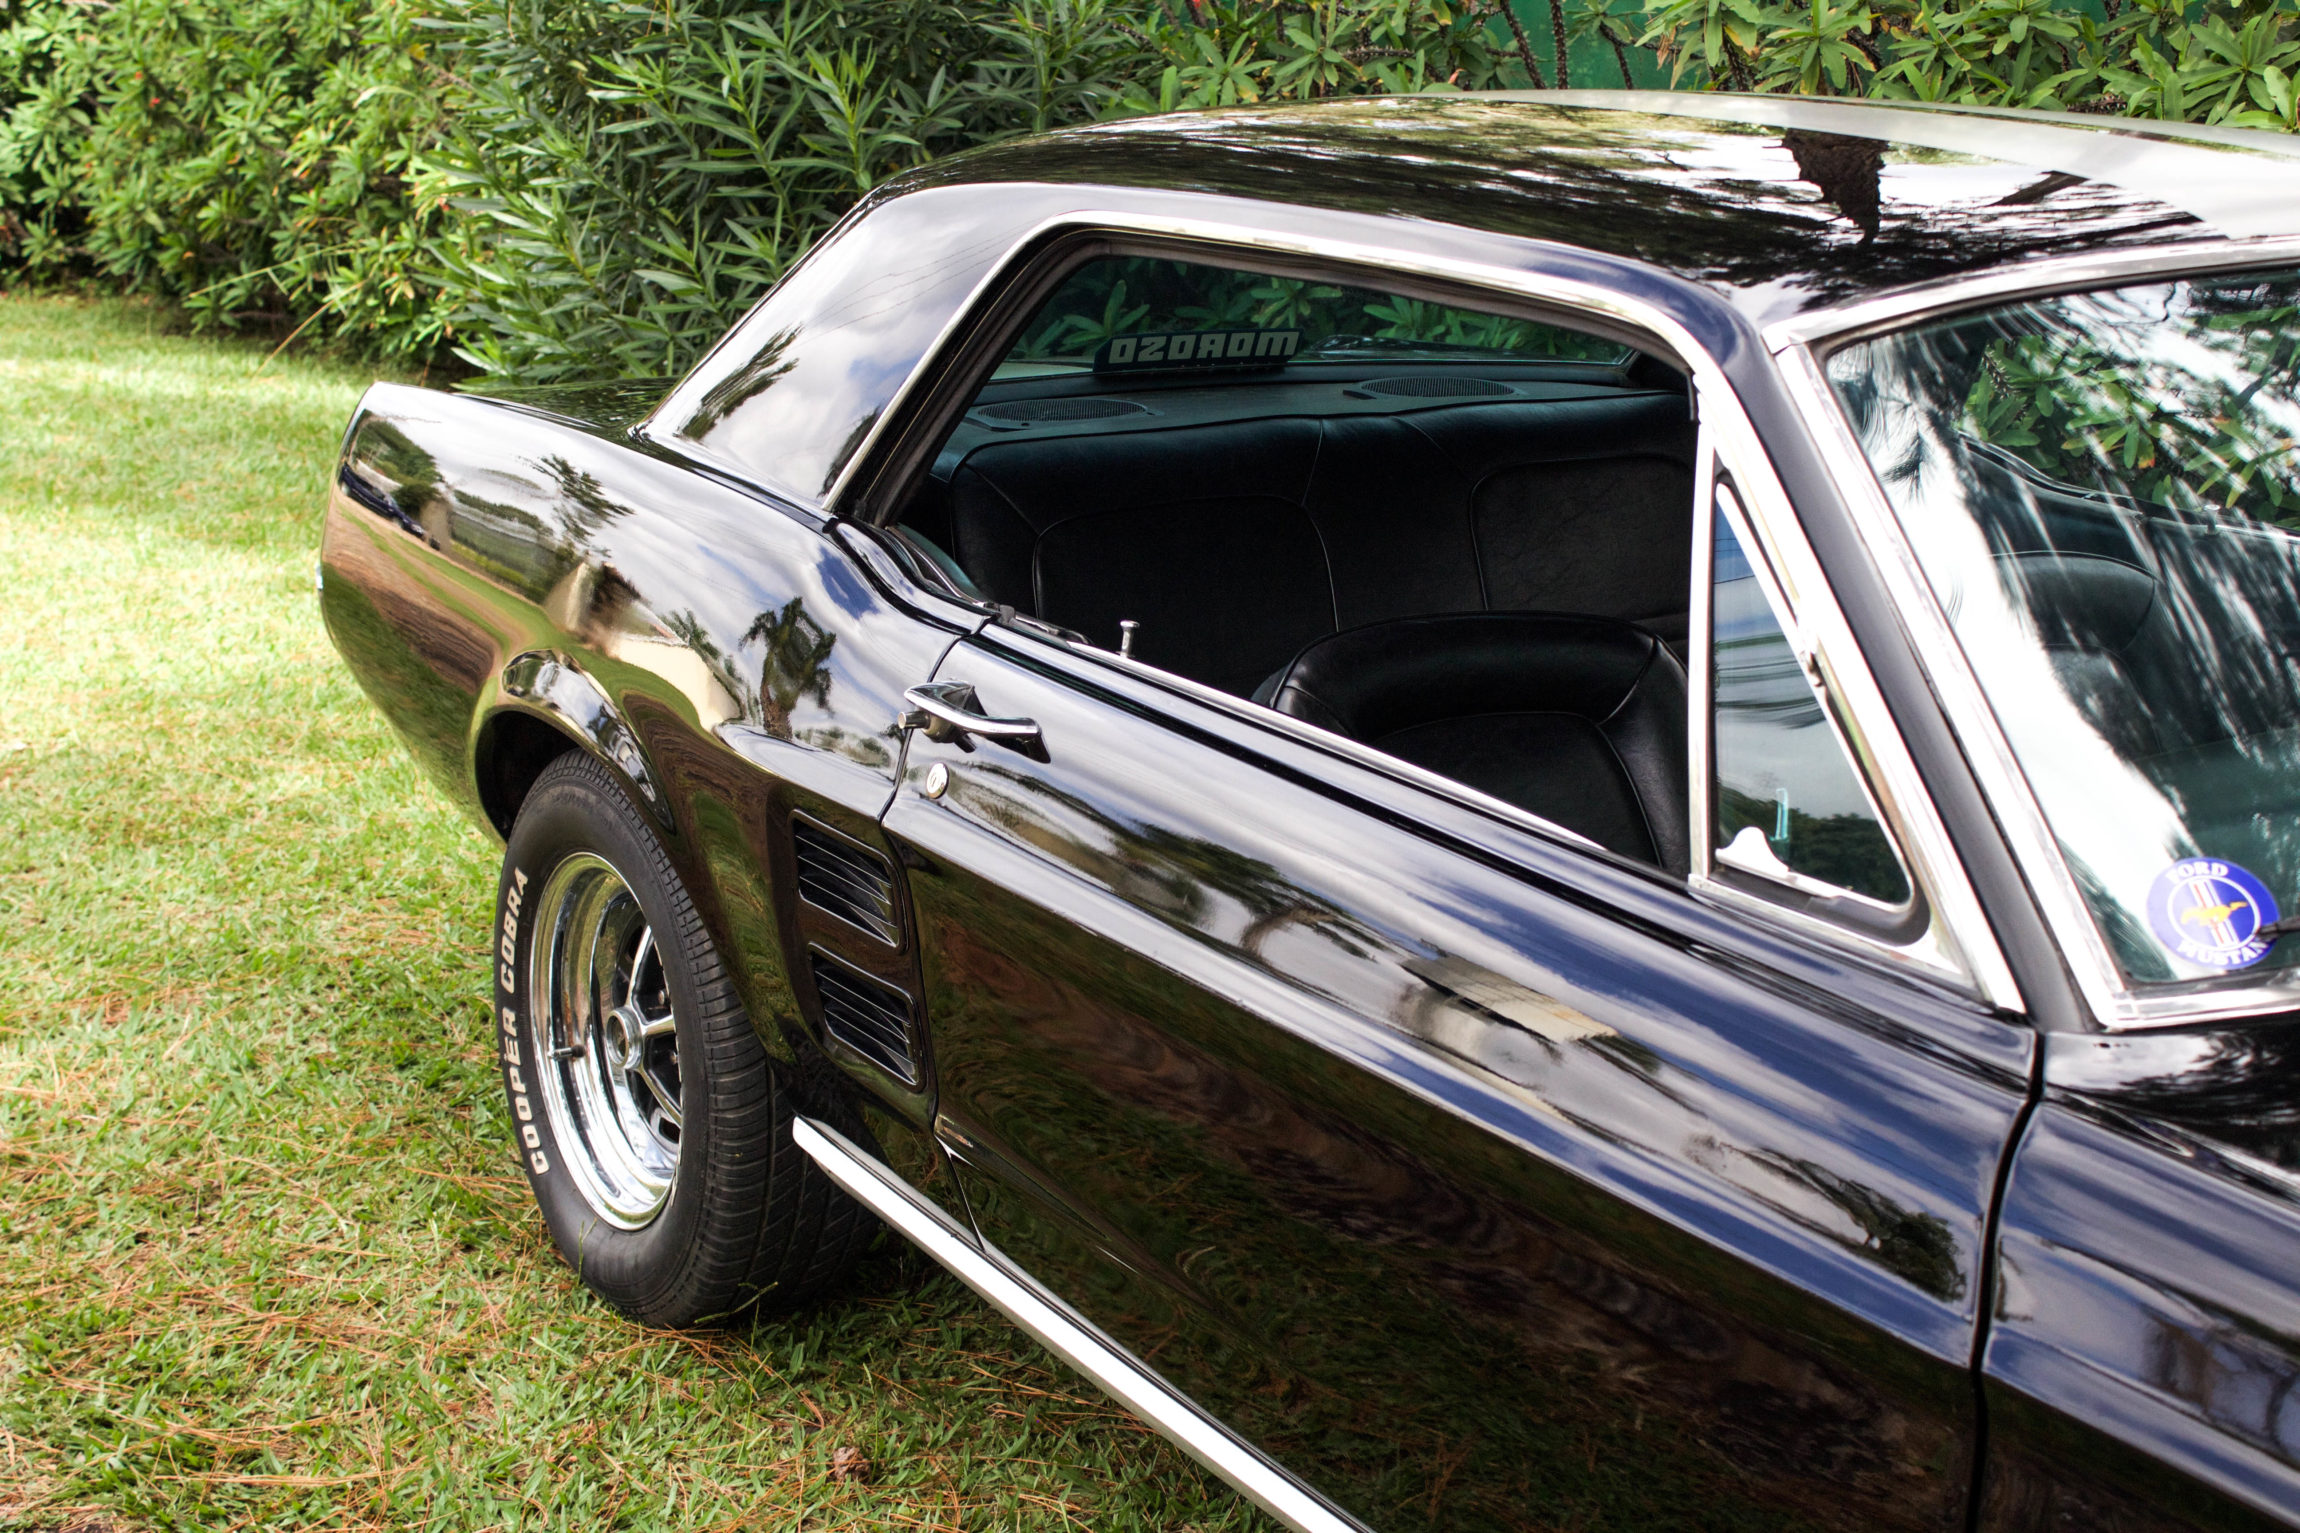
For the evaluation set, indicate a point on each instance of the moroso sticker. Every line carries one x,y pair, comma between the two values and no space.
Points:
2211,912
1198,348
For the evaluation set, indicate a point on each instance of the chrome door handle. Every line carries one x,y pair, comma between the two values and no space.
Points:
948,710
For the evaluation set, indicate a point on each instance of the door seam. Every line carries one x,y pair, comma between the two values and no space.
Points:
1991,1233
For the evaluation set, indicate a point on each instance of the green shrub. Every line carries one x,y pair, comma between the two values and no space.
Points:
2171,59
566,189
633,173
245,158
636,172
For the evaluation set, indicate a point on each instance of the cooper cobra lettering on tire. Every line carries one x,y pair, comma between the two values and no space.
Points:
521,1109
653,1126
514,891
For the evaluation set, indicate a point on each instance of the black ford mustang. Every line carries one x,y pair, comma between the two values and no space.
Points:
1543,811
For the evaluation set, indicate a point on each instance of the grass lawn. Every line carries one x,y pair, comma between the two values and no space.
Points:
265,1258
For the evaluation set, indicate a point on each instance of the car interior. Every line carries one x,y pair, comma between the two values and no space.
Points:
2173,634
2130,597
1463,539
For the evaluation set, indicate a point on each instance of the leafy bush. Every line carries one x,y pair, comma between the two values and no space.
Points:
2172,59
1227,52
639,171
635,172
583,188
246,158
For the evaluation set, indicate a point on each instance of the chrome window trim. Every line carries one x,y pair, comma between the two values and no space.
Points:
1981,735
1828,328
1958,946
1699,826
1934,947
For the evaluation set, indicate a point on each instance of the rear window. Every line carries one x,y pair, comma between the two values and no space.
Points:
1134,314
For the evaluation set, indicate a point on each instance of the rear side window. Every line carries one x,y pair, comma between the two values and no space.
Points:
793,392
1459,536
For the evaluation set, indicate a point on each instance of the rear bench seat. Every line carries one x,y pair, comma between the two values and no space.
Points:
1235,545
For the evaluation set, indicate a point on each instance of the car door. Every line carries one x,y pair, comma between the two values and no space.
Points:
2143,1371
1481,1177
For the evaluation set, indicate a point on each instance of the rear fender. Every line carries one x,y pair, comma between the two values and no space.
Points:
551,688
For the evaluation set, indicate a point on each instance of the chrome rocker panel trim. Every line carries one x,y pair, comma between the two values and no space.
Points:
1070,1335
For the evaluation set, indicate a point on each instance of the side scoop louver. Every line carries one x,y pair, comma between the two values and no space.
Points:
868,1017
849,881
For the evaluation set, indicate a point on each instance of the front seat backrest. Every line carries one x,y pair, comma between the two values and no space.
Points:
1580,720
2094,615
1199,535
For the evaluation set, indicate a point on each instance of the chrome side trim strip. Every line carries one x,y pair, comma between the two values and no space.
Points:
2036,278
1070,1336
1959,946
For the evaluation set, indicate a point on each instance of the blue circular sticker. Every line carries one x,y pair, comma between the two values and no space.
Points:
2210,912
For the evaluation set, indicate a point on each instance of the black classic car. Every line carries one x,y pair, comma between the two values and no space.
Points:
1545,811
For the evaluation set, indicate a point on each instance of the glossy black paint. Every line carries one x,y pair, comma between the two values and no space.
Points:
1757,213
1727,226
1489,1181
2144,1363
1464,1170
1604,198
506,584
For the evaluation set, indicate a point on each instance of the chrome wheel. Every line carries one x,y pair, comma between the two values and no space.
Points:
603,1014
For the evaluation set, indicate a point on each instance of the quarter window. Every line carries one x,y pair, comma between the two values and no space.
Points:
1787,803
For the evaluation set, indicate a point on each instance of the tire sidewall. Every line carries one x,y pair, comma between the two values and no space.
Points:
575,808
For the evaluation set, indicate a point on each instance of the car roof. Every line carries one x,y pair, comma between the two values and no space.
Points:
1727,214
1783,204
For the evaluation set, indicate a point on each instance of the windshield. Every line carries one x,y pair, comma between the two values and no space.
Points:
2103,491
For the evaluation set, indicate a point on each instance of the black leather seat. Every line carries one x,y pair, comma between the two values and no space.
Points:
1580,720
2108,630
1234,544
1200,535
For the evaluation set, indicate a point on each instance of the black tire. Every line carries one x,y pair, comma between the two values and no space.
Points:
745,1215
